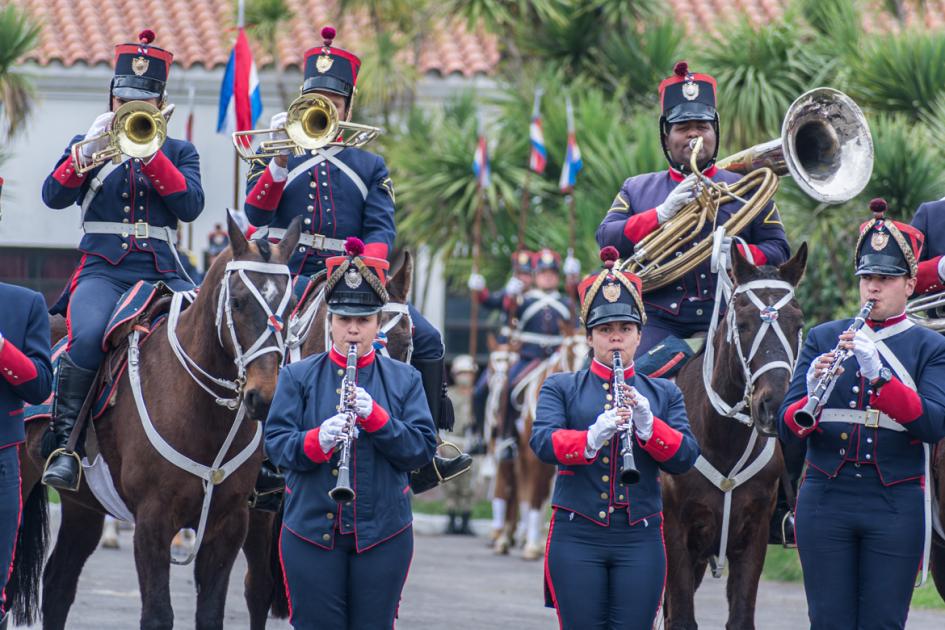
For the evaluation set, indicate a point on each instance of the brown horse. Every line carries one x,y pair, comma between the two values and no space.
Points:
264,588
534,476
754,351
230,333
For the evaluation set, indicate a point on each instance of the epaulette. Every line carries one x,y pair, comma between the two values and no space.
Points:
256,168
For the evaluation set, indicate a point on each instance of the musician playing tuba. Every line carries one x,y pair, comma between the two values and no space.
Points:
861,526
130,212
345,563
606,563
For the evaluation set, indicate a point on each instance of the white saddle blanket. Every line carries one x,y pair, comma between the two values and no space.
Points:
99,479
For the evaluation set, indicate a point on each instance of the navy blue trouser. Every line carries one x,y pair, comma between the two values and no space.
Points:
605,578
693,318
341,589
96,290
9,512
860,545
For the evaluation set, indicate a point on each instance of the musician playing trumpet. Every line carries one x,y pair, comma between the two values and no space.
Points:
605,563
862,531
345,563
130,213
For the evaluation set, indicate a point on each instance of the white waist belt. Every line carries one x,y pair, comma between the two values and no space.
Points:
318,241
539,339
871,418
138,230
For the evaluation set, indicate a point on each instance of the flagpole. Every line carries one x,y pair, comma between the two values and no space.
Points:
240,17
474,298
523,210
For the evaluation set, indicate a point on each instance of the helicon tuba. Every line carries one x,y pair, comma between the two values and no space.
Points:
825,145
312,122
138,130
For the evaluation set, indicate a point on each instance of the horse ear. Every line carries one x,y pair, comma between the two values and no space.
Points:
397,262
743,270
291,239
793,270
238,242
399,284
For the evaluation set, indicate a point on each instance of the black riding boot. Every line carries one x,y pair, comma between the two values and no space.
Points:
270,485
63,468
464,529
433,378
450,523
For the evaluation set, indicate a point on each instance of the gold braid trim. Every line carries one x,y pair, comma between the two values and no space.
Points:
336,275
601,277
900,241
589,296
372,279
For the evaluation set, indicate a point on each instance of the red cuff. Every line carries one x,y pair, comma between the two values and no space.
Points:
664,443
313,450
376,250
795,428
15,366
928,280
267,192
757,255
376,420
897,401
65,174
569,446
164,175
640,225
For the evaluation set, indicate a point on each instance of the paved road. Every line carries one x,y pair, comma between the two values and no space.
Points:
454,582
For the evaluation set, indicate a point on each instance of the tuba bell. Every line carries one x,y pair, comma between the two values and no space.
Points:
312,122
825,145
138,130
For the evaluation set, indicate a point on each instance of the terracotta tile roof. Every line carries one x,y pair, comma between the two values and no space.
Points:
201,32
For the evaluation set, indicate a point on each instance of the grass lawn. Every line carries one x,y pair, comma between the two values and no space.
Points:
782,565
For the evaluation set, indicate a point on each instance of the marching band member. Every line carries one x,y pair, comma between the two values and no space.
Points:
645,202
130,213
860,520
341,192
345,564
605,563
931,274
27,378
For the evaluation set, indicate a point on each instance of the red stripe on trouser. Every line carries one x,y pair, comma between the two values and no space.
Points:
72,285
285,580
19,518
551,586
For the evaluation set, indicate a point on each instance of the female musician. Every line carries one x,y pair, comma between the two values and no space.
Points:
605,564
860,519
345,564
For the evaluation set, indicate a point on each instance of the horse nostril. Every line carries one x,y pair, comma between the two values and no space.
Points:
256,402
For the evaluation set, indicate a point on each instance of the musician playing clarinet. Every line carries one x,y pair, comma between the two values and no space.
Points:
345,563
861,526
605,564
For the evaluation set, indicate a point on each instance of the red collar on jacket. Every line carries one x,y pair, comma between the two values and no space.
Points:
676,176
875,325
603,372
342,360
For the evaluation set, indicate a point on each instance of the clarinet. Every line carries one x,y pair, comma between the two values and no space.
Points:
628,469
807,416
343,492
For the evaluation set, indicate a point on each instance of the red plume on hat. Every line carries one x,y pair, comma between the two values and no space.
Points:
879,207
354,246
609,256
146,36
328,34
681,69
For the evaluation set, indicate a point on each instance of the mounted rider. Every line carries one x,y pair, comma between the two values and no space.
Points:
130,214
340,192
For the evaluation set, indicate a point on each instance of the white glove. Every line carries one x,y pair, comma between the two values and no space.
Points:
514,286
866,355
811,377
572,266
679,197
602,430
642,416
278,122
476,282
363,403
941,268
331,431
103,123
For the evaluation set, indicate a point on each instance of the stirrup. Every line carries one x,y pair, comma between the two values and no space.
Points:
270,501
784,538
72,454
459,453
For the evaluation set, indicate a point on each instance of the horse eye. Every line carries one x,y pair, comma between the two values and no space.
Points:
236,303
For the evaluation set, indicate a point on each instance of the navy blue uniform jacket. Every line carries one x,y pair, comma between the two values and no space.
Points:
569,404
930,220
24,358
396,438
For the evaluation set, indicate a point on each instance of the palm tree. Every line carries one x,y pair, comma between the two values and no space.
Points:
18,36
265,21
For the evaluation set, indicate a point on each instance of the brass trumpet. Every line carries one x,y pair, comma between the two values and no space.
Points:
926,310
138,130
311,122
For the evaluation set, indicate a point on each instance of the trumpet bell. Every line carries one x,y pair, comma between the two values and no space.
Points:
140,129
828,148
312,121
